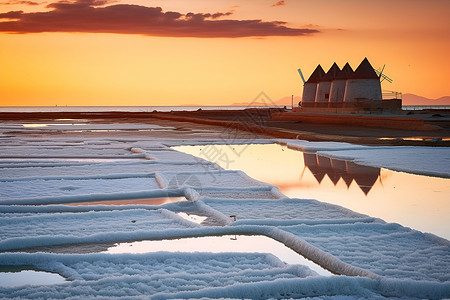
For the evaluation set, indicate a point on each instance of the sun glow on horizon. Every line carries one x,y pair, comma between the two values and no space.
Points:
113,69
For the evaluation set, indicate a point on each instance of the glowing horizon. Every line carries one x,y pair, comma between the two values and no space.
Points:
125,53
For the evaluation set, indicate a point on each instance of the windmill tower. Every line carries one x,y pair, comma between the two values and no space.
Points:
337,89
324,86
310,86
363,84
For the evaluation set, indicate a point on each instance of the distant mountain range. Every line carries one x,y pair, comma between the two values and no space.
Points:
408,99
411,99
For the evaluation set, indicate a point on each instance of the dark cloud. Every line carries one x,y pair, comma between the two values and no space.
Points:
64,4
96,16
279,3
15,2
200,16
12,15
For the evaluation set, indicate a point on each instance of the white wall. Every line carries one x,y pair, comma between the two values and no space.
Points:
362,88
323,92
309,92
337,90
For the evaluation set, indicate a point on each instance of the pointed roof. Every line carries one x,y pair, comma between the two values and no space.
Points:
365,71
347,69
317,75
339,169
348,178
311,163
332,73
345,73
364,176
366,183
334,177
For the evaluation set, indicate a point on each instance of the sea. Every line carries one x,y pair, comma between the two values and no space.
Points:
115,108
159,108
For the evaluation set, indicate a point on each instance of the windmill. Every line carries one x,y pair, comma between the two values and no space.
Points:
380,74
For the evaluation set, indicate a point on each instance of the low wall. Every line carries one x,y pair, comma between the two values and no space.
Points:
360,106
389,122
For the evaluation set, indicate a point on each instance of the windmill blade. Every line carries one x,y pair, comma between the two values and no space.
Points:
386,78
301,75
380,74
377,71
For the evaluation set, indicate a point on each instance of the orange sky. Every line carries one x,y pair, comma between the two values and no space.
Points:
110,55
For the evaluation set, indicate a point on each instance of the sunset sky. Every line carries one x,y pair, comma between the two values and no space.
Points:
211,52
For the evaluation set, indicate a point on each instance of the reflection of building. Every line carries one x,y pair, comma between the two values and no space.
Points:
336,169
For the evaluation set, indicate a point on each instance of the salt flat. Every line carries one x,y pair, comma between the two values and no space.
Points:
371,259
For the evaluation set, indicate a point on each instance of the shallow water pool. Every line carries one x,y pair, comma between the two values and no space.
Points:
22,276
221,244
419,202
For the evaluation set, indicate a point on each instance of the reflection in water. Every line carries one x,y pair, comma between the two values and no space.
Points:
29,277
220,244
335,169
419,202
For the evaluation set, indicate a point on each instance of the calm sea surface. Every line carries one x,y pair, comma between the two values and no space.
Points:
152,108
111,108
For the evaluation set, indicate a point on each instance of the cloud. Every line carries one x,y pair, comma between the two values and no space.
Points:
279,3
96,16
206,16
18,2
64,4
12,15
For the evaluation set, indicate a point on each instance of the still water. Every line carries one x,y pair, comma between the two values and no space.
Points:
15,278
419,202
221,244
